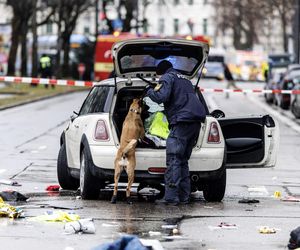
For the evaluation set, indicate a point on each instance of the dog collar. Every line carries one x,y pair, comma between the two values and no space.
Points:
135,111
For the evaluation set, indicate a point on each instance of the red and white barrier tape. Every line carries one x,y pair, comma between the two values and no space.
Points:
61,82
44,81
257,91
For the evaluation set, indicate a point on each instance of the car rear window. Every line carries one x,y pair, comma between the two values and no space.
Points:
98,100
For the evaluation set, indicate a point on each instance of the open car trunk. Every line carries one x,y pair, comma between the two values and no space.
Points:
123,102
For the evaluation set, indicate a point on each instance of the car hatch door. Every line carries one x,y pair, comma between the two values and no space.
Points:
250,141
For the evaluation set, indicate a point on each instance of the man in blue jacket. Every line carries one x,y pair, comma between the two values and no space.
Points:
185,113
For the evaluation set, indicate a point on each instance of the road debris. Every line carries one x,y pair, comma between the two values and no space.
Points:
294,242
53,188
290,199
56,216
267,230
154,233
80,226
259,190
10,183
277,194
248,201
223,225
7,210
169,226
11,195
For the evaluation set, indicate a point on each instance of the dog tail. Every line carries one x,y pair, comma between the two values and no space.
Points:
129,146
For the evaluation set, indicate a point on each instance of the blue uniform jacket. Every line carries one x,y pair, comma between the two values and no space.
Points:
179,98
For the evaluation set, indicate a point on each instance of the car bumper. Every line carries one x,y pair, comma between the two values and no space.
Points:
202,160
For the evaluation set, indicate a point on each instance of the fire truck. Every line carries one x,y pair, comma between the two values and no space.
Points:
103,65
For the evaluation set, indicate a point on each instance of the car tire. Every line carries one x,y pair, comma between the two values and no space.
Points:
214,191
284,105
65,180
89,184
294,110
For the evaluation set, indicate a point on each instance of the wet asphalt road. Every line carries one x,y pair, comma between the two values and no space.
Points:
28,151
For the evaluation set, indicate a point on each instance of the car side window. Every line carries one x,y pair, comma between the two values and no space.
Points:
95,101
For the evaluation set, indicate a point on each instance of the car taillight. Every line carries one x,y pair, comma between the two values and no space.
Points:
101,131
214,135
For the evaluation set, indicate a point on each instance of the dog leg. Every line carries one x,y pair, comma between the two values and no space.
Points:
130,174
116,179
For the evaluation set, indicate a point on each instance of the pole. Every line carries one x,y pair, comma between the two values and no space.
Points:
297,32
96,18
34,62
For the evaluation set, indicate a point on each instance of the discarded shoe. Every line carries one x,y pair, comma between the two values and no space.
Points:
164,202
11,195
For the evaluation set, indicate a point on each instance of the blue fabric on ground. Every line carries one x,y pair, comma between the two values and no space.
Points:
127,242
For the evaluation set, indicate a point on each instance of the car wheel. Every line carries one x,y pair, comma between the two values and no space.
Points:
294,110
214,191
284,105
65,180
89,184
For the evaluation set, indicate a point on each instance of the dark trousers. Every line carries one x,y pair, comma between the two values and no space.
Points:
180,143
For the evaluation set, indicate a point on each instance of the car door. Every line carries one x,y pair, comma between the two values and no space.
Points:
250,141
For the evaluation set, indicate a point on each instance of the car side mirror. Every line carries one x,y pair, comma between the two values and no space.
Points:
74,116
217,113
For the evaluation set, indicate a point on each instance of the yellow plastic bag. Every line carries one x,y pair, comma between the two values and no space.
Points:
56,216
7,210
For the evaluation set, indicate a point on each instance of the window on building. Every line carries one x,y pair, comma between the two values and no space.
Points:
86,30
161,26
191,2
49,28
176,2
205,26
176,25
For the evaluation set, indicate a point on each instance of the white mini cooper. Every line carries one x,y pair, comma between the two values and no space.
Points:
90,142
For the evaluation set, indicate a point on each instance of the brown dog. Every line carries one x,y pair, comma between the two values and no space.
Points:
132,131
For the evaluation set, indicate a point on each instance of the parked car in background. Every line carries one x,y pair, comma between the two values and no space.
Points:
286,83
272,83
214,65
295,98
213,70
89,143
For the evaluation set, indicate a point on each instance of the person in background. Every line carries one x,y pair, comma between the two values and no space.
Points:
46,68
230,80
184,112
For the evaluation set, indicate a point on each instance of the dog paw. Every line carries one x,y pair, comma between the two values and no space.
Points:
113,199
129,201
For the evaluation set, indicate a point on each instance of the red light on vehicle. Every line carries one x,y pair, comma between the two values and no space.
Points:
156,170
214,135
101,131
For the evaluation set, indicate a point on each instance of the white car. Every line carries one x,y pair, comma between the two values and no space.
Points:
90,142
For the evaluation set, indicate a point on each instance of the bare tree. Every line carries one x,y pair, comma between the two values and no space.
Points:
243,18
67,13
246,19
